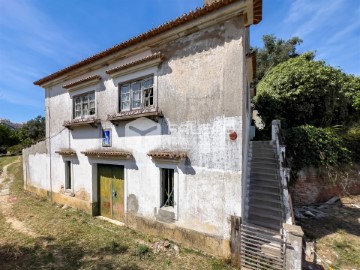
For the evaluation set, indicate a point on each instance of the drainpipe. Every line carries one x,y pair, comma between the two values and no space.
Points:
51,197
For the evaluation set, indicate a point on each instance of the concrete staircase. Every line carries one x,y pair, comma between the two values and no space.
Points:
264,202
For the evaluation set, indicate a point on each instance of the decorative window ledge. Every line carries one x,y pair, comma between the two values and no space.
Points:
91,121
82,83
149,61
66,152
120,154
152,113
169,156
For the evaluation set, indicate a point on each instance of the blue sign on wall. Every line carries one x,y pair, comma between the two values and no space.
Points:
106,137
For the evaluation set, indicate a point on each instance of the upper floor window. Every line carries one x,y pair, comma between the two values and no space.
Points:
84,105
137,94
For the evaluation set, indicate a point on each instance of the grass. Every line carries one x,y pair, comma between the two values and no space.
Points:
71,239
338,235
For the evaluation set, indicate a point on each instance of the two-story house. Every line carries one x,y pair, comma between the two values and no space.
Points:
154,131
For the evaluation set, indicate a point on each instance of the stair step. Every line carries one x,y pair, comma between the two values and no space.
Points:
265,160
265,150
257,169
276,227
264,206
277,214
260,141
264,192
270,156
263,216
266,184
264,165
270,202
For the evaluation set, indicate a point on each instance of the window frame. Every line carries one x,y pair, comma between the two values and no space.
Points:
68,185
81,96
143,90
167,200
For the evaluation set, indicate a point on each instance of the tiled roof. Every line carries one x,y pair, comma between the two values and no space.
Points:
167,154
94,77
257,7
192,15
108,153
92,121
66,152
134,63
126,115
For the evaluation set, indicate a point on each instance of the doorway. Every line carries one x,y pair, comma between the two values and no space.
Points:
111,191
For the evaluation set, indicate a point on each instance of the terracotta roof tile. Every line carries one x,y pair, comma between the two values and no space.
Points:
66,152
199,12
134,63
175,155
92,121
66,86
108,153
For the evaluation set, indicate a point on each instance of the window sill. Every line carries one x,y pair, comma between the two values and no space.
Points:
166,214
90,121
152,113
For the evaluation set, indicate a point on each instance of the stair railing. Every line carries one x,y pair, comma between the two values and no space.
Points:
278,141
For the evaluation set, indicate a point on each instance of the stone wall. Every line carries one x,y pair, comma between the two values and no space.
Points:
313,186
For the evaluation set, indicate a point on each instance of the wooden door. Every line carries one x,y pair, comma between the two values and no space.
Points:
111,187
118,193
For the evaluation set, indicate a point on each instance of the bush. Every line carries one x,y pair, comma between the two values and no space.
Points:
302,91
317,147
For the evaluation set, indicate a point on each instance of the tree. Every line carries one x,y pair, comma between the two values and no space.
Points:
275,51
302,91
7,138
33,130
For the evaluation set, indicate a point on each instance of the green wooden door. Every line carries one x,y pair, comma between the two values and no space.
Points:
111,187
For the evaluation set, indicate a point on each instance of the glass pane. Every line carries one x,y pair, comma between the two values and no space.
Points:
77,100
78,107
77,114
136,102
125,105
92,104
85,98
125,88
148,83
136,86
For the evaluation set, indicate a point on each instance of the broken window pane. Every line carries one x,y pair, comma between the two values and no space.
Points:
167,187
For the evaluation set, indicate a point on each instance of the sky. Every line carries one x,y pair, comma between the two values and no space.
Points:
40,37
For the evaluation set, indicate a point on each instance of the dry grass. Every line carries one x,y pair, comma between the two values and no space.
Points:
70,239
337,235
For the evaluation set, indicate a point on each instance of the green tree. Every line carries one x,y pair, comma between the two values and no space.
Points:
275,51
33,130
302,91
7,138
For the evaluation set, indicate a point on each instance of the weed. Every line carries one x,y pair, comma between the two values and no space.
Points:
115,247
142,251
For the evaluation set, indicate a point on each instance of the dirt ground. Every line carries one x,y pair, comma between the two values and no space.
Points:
336,237
38,234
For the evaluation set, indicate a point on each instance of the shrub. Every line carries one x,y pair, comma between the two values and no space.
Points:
317,147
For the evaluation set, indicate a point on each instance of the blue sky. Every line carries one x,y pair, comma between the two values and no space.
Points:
39,37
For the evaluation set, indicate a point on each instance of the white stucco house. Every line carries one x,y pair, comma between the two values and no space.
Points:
154,132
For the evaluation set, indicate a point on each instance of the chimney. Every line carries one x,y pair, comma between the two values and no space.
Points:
209,2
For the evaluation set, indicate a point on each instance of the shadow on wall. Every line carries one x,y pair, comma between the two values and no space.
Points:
143,127
86,132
